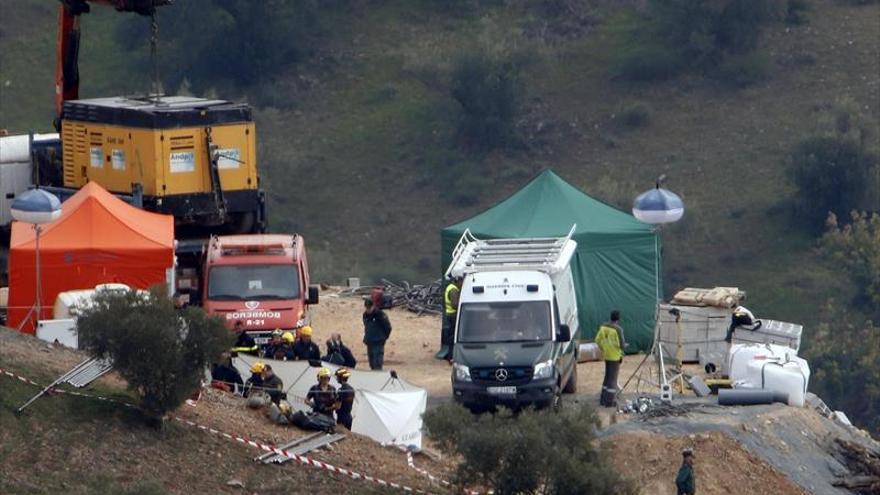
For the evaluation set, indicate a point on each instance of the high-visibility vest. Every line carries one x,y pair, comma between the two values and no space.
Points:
449,308
608,341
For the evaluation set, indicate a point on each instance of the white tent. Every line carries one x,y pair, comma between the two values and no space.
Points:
387,408
390,417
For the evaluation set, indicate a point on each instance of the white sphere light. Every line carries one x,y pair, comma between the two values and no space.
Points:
36,206
658,206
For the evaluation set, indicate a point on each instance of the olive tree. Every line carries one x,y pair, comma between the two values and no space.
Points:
160,350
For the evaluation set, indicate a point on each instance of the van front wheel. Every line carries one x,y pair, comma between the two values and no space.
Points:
572,384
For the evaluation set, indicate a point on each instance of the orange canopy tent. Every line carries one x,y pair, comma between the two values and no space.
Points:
97,239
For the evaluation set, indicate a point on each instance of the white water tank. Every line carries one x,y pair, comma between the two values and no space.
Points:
789,377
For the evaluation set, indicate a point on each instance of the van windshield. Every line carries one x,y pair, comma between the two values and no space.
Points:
248,282
504,321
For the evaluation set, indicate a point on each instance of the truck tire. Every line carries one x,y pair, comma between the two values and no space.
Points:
571,385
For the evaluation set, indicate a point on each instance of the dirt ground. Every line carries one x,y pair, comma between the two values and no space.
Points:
722,465
413,343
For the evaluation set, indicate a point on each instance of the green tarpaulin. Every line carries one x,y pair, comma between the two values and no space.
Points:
617,265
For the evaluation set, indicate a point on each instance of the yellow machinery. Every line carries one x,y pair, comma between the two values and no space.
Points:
189,157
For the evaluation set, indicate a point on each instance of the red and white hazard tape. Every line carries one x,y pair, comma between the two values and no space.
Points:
268,448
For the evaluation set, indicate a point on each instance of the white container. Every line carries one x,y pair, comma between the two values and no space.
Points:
741,354
62,331
788,377
771,332
67,302
703,329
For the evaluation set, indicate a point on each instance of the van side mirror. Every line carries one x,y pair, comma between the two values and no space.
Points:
564,334
313,295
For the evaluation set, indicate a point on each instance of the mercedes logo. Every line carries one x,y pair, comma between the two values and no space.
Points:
501,374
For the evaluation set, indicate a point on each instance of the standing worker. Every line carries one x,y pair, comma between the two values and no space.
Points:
346,398
377,329
611,342
244,343
685,481
450,317
273,385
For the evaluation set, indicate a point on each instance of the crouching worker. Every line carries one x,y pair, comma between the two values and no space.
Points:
224,376
741,317
273,385
322,397
346,398
255,382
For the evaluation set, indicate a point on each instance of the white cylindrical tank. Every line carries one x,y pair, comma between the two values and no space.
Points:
790,377
741,354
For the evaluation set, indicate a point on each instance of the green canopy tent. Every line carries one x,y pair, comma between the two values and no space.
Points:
617,264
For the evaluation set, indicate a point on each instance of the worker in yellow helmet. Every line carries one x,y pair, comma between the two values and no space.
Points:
346,398
450,317
611,342
304,348
255,382
322,397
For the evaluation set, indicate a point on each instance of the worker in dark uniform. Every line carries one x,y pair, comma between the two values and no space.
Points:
322,397
450,317
346,398
377,329
255,382
224,376
273,385
244,343
685,481
304,348
338,353
274,343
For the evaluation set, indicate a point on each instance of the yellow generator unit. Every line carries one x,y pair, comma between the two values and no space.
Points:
188,157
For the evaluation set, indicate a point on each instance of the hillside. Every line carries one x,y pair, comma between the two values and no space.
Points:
67,444
355,139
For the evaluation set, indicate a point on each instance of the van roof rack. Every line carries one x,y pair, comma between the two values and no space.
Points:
527,253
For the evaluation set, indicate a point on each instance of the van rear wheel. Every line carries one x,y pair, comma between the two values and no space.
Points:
572,384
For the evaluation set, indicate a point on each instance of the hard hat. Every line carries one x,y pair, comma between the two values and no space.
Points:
257,367
305,331
687,452
287,337
343,373
277,332
323,372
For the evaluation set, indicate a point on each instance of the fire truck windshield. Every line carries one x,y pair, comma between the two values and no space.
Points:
253,282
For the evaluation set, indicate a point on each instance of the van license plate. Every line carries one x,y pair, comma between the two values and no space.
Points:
501,390
261,340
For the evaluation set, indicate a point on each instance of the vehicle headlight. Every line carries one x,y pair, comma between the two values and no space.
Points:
543,370
462,372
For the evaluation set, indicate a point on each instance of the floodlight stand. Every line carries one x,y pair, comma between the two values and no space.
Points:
35,310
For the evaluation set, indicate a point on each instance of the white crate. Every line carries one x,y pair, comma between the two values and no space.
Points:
771,332
702,329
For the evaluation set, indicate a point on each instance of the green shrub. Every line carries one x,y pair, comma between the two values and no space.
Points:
161,351
487,91
844,354
831,174
855,247
740,71
538,452
634,115
796,12
676,35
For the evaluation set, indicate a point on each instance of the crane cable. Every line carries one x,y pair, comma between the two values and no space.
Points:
154,54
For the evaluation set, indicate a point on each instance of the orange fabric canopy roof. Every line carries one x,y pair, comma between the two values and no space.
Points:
97,239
